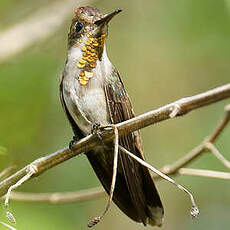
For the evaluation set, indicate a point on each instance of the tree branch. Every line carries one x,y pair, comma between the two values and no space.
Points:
204,173
201,148
59,198
6,172
177,108
7,226
40,25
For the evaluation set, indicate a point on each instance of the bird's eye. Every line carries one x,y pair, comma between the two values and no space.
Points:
78,27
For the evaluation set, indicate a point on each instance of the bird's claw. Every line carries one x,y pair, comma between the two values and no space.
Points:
96,130
73,142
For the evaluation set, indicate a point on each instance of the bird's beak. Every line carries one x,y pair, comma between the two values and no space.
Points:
102,29
105,20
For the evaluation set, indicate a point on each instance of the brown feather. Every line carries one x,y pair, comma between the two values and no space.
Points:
139,182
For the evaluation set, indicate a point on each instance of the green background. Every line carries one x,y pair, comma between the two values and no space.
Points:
164,50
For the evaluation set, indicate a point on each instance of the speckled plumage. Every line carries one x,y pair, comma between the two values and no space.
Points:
103,99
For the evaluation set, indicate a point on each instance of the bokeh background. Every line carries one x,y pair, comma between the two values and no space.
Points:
164,50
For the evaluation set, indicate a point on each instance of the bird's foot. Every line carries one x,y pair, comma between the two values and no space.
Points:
96,130
73,142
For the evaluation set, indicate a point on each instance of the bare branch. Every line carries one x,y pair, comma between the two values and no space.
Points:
212,148
31,171
58,198
201,148
84,145
194,210
88,194
40,25
204,173
175,168
97,219
7,225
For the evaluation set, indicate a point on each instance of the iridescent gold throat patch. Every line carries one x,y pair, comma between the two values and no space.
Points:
91,52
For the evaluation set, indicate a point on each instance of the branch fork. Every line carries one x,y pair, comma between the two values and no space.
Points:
174,109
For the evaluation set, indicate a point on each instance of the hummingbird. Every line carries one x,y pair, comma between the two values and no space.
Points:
92,92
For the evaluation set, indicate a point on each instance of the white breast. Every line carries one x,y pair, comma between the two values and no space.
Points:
86,104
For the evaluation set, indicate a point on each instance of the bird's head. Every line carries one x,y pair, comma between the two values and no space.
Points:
90,27
88,32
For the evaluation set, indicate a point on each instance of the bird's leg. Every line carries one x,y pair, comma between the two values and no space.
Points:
97,219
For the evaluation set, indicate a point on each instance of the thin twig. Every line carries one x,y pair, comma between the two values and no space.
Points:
204,173
97,219
212,148
84,145
201,148
169,170
58,198
97,192
194,210
7,225
31,171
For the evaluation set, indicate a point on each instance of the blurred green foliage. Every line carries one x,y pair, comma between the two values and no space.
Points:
3,151
164,50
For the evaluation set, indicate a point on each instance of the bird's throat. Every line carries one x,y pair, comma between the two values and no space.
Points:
92,50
